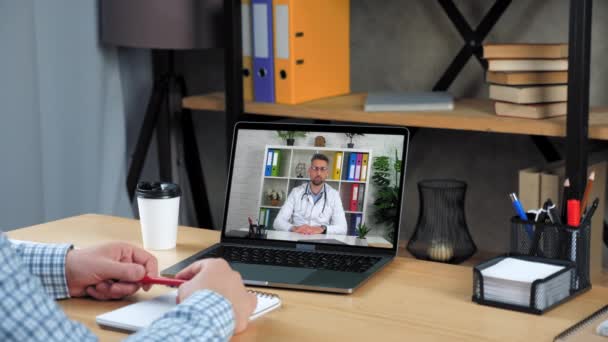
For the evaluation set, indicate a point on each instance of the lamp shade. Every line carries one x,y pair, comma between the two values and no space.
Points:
162,24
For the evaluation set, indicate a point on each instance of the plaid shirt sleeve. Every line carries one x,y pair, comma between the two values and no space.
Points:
204,316
47,262
27,312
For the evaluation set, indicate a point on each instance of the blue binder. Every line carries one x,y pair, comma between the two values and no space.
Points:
268,169
352,163
263,51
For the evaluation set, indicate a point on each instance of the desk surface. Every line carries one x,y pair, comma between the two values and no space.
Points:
468,115
408,300
372,241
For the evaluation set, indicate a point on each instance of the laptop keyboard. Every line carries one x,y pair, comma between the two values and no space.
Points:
290,258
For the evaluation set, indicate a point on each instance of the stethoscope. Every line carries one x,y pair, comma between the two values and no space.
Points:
324,196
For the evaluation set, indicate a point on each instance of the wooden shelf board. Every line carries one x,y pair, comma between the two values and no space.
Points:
468,114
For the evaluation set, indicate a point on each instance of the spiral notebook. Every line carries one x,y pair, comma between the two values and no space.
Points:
140,315
585,330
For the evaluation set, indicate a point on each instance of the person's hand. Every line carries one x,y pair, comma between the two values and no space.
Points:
216,275
108,271
308,230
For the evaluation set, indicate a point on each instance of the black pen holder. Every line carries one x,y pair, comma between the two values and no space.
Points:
549,243
257,231
554,241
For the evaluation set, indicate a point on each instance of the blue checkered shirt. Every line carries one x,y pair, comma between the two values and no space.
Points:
29,313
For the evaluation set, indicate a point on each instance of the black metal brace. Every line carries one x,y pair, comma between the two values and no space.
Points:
473,39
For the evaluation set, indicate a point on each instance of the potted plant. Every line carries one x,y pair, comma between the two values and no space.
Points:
275,197
351,136
290,136
362,230
385,177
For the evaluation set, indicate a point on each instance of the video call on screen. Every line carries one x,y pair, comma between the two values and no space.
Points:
318,187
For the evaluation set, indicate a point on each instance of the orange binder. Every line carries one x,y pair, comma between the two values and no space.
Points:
311,45
247,50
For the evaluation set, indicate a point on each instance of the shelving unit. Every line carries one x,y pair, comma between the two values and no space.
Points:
472,115
288,179
468,114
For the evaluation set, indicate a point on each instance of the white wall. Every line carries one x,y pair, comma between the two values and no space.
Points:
249,164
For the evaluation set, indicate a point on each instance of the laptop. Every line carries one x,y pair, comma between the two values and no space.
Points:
303,208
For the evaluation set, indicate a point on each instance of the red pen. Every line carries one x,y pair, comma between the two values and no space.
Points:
161,281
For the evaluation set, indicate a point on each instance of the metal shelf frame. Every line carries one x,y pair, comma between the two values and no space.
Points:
578,76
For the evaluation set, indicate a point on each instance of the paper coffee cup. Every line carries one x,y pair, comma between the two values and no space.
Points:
158,205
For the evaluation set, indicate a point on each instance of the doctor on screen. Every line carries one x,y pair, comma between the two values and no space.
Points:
313,207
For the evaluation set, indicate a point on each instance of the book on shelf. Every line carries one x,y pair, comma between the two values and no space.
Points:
529,94
527,78
525,51
408,101
528,64
531,111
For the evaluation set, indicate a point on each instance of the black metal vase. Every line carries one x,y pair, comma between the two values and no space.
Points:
441,233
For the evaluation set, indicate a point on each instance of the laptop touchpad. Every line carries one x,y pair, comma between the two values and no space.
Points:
277,274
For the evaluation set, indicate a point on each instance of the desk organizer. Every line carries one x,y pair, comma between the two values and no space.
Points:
549,243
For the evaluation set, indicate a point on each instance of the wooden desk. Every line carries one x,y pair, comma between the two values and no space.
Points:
409,300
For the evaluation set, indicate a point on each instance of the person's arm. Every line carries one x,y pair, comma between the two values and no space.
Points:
282,221
204,316
28,313
213,304
47,263
338,218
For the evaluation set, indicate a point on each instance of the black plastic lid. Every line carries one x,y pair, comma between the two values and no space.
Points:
157,190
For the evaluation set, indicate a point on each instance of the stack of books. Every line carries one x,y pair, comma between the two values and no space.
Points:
528,80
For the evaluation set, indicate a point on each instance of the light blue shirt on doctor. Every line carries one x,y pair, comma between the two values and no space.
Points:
301,208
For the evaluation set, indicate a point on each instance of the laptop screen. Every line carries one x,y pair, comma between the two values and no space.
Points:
331,184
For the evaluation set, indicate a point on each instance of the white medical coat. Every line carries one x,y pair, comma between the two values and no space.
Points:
300,208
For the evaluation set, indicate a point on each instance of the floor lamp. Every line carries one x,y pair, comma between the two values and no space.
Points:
165,26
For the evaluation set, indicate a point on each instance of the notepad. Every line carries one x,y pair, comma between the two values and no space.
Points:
510,281
140,315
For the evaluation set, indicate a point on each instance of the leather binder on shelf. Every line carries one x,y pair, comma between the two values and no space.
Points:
312,54
247,49
263,56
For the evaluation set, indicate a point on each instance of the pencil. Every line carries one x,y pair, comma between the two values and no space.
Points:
587,192
564,199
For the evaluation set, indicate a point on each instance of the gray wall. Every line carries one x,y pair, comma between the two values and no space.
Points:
20,129
406,45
